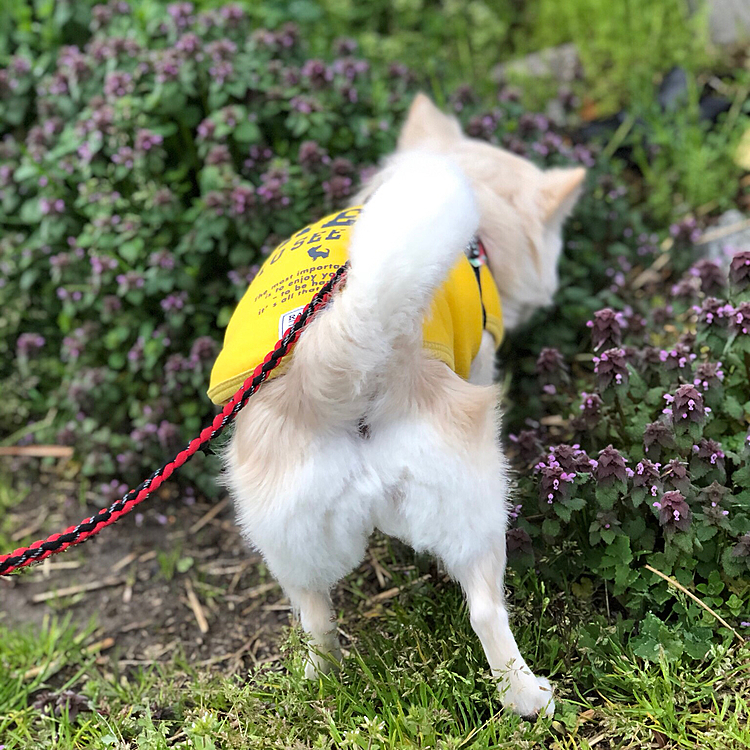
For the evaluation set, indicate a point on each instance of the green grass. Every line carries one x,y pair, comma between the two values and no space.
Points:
415,677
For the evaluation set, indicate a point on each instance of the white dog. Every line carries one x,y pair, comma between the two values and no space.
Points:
369,427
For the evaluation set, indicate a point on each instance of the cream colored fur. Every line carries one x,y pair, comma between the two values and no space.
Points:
309,488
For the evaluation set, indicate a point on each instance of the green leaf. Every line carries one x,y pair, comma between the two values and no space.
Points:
132,250
247,132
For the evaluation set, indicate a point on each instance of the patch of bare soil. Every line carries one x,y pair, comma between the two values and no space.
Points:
169,578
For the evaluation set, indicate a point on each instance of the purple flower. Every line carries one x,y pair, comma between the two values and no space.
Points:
29,343
674,512
605,520
51,206
555,482
482,126
611,367
528,445
216,201
572,458
398,71
461,97
176,363
742,548
145,140
243,199
685,230
317,73
100,264
203,350
163,197
591,405
232,13
713,497
656,436
712,278
676,474
100,121
221,50
305,104
338,188
686,289
73,345
342,166
242,277
230,116
515,512
111,304
610,467
271,187
181,14
221,71
162,259
714,311
189,45
709,452
741,319
174,302
350,67
167,64
551,367
130,280
739,271
714,494
118,84
73,64
344,46
124,156
258,154
311,155
218,154
679,358
135,354
708,375
206,129
168,434
113,490
518,541
686,406
647,475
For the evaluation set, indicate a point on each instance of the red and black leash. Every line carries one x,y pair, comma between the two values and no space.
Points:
43,548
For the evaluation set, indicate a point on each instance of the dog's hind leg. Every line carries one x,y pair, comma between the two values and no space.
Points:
519,688
438,445
319,622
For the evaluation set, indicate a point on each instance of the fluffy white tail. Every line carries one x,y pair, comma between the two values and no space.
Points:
408,237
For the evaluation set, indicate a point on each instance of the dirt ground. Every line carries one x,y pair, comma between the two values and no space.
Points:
221,610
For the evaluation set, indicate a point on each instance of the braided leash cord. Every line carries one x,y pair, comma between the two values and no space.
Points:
42,549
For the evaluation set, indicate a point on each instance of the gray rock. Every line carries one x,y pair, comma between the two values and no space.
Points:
729,21
560,63
729,235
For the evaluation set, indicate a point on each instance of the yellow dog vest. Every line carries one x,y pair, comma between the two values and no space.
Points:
465,305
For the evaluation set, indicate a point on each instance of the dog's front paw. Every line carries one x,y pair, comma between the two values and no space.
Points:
528,696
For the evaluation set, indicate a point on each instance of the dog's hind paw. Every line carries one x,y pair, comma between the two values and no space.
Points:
531,698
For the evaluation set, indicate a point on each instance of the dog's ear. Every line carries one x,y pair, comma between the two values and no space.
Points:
559,192
425,123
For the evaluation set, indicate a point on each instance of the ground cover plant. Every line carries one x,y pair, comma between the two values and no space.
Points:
151,155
